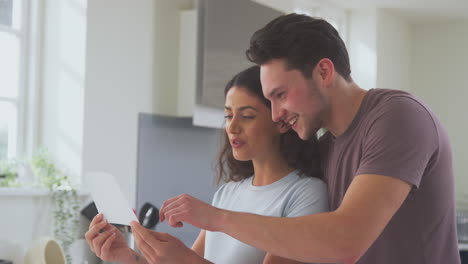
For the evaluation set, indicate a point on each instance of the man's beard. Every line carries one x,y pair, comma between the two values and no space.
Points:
313,128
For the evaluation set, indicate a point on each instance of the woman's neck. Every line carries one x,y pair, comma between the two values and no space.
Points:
269,170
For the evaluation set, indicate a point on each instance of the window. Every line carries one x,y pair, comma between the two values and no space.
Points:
12,68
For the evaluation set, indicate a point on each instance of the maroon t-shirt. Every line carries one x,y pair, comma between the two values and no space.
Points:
394,134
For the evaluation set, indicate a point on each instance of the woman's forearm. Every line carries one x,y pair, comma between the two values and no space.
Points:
135,258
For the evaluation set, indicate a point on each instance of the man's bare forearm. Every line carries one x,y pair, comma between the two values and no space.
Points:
195,258
339,236
313,238
199,260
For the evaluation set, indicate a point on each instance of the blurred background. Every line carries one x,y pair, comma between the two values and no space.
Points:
134,88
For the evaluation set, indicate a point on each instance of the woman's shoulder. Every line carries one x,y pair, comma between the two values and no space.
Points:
308,195
227,191
305,181
231,186
301,186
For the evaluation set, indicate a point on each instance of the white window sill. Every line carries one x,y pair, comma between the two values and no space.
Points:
30,192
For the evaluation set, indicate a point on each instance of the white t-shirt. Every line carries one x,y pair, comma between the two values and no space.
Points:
290,196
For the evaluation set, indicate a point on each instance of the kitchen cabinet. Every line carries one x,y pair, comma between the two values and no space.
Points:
209,41
225,28
174,57
463,247
175,157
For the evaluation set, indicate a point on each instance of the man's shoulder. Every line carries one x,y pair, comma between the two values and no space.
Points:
387,98
392,105
388,93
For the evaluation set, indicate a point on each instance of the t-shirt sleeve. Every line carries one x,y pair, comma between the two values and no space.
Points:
218,196
399,141
309,198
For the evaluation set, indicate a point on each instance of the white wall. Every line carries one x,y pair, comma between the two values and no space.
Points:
362,46
439,64
394,52
379,47
119,85
62,87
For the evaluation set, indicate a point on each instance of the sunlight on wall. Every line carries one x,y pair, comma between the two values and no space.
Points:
64,83
362,47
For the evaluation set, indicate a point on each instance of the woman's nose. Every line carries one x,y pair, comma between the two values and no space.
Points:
233,126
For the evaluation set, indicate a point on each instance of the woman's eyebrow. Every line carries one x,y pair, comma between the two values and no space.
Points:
248,107
242,108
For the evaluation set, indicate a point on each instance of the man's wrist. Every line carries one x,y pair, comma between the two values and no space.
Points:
220,220
194,258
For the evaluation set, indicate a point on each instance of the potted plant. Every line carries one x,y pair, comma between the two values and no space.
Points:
9,173
64,198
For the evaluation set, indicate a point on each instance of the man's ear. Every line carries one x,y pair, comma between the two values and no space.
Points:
282,127
325,71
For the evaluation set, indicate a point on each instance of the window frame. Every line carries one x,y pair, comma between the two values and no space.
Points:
26,101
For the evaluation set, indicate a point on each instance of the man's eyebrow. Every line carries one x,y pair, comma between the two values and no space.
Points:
275,90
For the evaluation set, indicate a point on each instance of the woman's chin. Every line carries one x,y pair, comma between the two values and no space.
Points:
241,157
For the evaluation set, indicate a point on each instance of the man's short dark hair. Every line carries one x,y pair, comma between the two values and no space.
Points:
303,41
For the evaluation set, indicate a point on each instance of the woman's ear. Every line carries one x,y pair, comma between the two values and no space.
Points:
282,127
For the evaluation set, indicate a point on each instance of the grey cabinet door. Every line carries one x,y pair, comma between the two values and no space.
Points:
174,157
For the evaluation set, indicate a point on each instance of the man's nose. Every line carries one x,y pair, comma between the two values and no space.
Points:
277,113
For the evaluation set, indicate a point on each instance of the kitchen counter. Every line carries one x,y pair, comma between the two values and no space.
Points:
463,246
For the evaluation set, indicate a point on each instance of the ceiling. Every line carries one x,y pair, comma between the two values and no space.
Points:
412,10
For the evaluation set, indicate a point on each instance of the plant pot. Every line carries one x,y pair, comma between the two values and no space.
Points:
45,251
